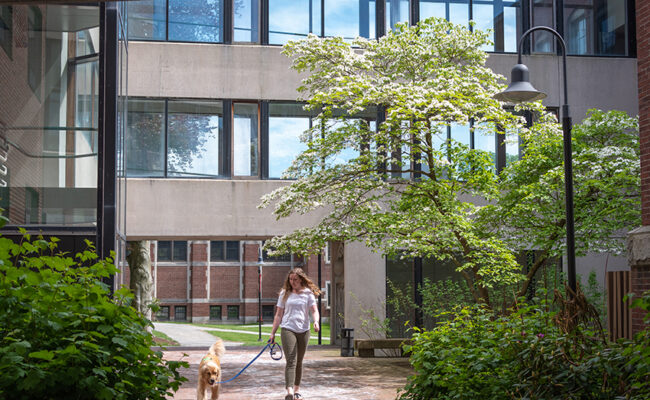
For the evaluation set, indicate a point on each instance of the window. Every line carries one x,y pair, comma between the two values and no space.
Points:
6,29
147,19
246,20
145,138
245,140
172,250
163,313
215,312
543,14
502,17
293,20
233,313
396,11
196,20
34,49
224,250
349,19
279,258
268,312
287,122
180,313
328,253
595,27
194,129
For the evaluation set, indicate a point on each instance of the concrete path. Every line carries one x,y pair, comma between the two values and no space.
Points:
326,374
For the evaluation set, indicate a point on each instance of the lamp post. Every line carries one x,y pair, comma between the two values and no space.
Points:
260,262
521,90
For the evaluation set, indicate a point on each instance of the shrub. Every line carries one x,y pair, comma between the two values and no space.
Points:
479,355
64,336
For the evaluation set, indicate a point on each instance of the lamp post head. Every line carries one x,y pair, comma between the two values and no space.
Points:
520,89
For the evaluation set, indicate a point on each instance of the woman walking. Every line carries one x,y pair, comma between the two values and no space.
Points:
297,298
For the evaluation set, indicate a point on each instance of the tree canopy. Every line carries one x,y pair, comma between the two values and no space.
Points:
408,190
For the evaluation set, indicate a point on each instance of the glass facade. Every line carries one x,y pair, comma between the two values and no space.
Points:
245,140
188,138
49,129
590,27
287,122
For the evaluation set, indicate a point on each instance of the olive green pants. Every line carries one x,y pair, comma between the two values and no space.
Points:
294,347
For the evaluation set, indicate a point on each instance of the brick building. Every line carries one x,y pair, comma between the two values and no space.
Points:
218,280
639,239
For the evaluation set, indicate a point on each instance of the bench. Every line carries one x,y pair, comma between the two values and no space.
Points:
367,347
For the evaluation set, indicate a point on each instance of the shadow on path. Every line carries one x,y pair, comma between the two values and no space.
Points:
326,375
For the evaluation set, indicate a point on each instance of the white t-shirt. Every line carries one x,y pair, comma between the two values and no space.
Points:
296,310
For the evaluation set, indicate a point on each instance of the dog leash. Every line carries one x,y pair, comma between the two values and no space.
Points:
274,349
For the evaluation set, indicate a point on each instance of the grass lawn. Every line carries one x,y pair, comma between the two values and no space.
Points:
251,339
163,340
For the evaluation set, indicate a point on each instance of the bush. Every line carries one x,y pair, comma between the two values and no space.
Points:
479,355
64,336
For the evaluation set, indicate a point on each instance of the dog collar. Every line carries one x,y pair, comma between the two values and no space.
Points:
208,358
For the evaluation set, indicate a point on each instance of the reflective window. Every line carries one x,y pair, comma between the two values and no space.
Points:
485,139
233,312
215,312
172,250
293,20
145,138
286,123
6,29
512,146
34,49
349,19
196,20
502,18
595,27
396,11
49,134
147,19
246,21
543,12
224,250
193,132
245,139
180,313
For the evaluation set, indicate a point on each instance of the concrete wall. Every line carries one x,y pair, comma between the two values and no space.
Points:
262,72
365,286
593,82
203,209
210,71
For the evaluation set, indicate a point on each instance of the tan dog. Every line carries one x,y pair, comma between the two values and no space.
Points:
210,371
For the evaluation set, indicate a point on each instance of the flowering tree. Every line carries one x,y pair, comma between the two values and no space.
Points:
530,210
399,184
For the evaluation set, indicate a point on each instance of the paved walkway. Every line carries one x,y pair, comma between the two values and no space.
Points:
326,375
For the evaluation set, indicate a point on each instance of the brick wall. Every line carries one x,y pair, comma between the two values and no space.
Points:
640,283
226,286
643,62
641,271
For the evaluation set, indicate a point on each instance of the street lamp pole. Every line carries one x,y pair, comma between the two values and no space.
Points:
520,90
260,261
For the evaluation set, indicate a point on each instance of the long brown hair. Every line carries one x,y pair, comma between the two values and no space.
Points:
304,281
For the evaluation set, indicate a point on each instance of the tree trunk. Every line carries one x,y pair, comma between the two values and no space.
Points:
140,282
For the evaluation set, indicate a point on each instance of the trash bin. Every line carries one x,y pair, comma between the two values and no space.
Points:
347,342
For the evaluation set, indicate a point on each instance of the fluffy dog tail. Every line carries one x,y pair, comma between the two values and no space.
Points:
217,348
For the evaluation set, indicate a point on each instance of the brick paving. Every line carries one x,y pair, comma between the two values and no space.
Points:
326,375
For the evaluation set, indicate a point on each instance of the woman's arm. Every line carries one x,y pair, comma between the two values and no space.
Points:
279,312
315,315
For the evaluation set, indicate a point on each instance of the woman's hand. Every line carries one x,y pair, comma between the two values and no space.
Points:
316,326
271,338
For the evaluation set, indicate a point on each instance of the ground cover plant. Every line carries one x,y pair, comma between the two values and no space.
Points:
64,336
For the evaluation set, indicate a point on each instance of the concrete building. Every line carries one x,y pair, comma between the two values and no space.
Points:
213,121
221,63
